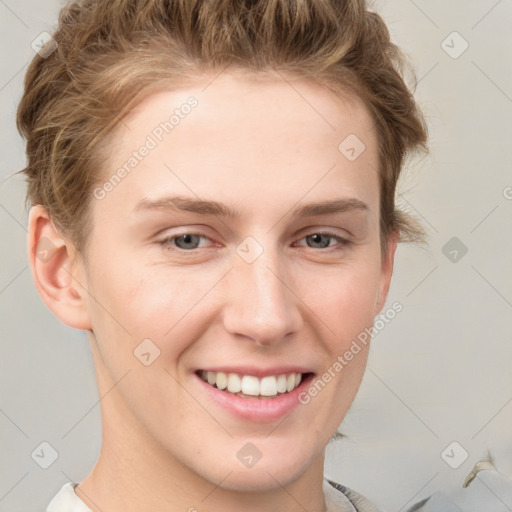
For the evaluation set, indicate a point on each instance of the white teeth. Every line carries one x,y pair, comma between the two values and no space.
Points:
221,380
268,386
234,383
281,384
290,382
252,386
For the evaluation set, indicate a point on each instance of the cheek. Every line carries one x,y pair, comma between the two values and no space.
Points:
345,306
140,302
343,298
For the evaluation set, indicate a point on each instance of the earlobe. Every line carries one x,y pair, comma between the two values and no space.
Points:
54,268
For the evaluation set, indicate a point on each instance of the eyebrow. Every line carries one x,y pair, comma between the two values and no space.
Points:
203,207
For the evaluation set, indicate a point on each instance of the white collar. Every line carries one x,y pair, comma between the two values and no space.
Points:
66,500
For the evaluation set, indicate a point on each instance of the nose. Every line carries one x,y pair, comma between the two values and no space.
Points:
261,305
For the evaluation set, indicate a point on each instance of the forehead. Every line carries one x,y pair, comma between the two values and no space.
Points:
250,99
258,134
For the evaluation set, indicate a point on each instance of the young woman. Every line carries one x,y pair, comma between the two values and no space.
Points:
212,200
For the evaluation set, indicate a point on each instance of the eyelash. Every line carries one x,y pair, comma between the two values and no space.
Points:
167,242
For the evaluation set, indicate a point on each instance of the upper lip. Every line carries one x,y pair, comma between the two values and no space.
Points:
257,371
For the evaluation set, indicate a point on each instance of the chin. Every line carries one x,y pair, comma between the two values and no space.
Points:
267,478
273,470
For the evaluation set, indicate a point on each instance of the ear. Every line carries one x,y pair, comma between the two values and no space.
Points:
57,270
387,262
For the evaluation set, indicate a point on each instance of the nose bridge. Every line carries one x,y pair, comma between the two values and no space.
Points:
262,306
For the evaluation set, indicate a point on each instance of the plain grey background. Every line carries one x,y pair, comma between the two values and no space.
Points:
439,373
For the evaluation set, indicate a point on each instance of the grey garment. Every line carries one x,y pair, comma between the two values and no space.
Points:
487,491
358,502
338,499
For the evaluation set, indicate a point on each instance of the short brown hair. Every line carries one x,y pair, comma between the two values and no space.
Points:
111,51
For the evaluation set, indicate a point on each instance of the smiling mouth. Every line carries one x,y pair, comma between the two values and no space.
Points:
249,386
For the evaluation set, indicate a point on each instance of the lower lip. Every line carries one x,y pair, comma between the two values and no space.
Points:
253,409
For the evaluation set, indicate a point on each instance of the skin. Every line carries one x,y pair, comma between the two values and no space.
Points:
165,445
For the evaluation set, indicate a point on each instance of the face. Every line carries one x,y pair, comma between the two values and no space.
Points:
230,266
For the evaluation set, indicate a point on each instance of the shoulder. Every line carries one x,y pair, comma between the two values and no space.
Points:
358,501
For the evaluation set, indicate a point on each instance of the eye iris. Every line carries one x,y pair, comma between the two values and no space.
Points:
318,236
188,238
